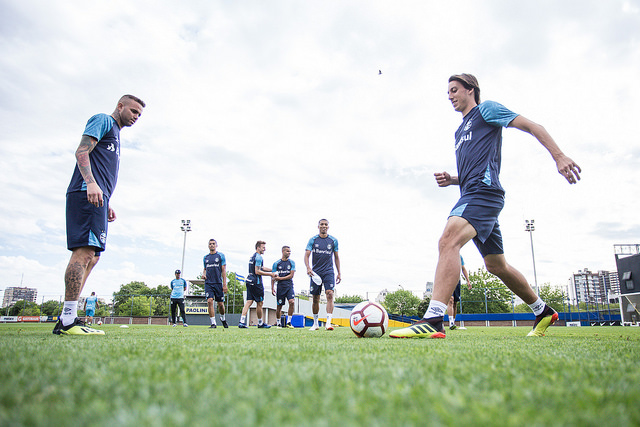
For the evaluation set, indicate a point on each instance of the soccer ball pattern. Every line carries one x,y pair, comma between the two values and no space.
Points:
369,319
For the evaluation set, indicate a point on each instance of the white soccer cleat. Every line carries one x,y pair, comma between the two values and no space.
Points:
329,327
314,328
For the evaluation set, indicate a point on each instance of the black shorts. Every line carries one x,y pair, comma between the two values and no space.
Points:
456,293
481,210
86,223
214,290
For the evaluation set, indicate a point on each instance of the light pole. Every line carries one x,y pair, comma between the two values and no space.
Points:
186,227
530,227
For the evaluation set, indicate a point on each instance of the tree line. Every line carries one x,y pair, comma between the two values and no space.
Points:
487,295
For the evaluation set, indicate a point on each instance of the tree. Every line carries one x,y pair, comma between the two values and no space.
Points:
485,288
162,300
422,307
234,299
123,296
349,299
50,308
136,306
104,310
402,302
24,308
554,297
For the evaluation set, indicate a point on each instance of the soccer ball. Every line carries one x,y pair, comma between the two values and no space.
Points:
369,319
99,322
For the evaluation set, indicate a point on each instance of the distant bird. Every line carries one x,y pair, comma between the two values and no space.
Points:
379,72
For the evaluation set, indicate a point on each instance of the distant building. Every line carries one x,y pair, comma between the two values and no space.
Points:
381,296
428,290
593,287
13,294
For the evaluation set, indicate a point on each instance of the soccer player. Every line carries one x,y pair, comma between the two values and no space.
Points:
324,248
90,307
255,288
453,301
285,269
475,215
215,282
178,288
88,210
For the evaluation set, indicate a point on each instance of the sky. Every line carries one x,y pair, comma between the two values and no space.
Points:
264,117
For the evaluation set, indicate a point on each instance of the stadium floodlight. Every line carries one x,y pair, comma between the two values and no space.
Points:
185,227
530,227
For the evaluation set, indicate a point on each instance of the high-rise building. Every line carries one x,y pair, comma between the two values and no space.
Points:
593,287
13,294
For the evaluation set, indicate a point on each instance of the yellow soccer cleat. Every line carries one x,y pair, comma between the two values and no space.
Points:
78,327
420,329
547,318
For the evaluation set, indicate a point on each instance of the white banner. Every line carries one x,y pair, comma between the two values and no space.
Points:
8,318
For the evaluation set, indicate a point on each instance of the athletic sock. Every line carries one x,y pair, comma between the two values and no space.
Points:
329,316
537,307
315,320
278,322
213,320
243,319
435,309
452,321
223,317
260,322
69,312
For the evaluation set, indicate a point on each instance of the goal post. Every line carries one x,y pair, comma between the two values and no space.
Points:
630,308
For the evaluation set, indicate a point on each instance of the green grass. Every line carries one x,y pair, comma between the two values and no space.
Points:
153,375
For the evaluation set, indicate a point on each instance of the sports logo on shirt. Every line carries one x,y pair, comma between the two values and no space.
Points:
468,125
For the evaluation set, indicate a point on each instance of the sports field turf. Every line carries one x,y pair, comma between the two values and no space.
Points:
158,375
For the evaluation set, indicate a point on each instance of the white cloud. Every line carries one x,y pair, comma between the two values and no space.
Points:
263,118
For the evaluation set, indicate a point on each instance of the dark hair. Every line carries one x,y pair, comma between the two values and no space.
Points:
260,242
133,98
285,247
469,82
323,219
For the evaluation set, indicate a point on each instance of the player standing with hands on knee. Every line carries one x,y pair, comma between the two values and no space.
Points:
478,147
88,211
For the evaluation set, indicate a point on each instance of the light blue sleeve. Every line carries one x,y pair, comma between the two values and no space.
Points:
335,244
293,265
496,114
259,260
310,244
275,266
204,261
461,260
98,126
223,259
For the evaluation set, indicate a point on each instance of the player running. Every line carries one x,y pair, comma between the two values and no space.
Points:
478,155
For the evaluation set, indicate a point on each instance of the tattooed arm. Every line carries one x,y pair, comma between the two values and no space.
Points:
94,192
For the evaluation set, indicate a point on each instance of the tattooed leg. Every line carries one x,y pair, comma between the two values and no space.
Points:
78,268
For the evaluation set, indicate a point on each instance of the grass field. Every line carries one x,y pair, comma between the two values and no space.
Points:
158,375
